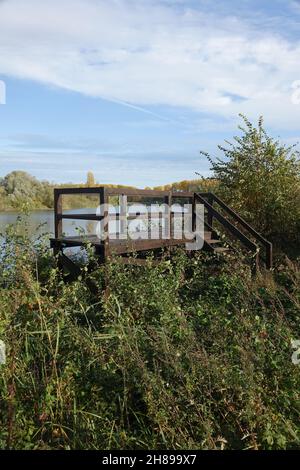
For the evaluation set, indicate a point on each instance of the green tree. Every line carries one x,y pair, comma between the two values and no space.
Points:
260,178
90,180
46,194
2,197
21,188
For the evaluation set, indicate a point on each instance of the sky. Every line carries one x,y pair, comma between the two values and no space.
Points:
133,90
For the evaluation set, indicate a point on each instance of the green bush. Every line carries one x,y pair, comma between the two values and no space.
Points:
189,354
260,178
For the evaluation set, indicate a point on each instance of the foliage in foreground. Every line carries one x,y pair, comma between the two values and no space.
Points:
180,355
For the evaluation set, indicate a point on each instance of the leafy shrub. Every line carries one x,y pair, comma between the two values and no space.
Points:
260,178
192,353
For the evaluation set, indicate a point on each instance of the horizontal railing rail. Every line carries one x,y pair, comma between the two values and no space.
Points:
124,191
147,193
80,216
95,190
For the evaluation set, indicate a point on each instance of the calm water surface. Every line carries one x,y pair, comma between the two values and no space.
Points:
42,222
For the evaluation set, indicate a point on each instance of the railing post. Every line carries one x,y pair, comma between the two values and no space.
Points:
57,223
194,214
104,201
269,256
168,216
255,264
123,215
57,213
209,214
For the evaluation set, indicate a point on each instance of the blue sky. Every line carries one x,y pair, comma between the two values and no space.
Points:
133,90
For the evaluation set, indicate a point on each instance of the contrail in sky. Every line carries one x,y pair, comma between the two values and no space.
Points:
139,108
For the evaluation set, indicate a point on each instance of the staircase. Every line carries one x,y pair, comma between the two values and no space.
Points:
212,242
235,227
220,220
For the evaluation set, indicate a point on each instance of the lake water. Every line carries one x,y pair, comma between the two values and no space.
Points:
35,219
42,222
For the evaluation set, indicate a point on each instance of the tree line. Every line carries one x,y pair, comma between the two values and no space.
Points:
19,189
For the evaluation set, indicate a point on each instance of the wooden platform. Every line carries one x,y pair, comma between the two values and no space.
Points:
118,247
226,218
115,246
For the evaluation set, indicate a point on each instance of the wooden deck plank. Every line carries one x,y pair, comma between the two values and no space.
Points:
116,246
94,240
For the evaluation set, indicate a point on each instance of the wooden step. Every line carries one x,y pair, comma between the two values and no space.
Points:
221,249
212,241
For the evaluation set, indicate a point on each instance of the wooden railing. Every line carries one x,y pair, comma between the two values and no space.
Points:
58,207
235,224
208,199
103,194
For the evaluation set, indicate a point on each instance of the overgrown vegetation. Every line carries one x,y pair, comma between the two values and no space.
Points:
193,353
260,178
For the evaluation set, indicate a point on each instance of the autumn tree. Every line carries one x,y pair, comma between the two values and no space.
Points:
260,178
90,180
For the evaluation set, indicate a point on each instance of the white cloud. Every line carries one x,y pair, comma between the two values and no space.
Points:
147,53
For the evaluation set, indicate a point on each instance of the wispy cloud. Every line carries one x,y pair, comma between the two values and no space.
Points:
144,53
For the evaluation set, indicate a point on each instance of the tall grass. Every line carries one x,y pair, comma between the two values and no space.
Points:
190,354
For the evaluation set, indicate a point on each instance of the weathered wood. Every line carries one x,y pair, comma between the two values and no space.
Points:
146,192
72,267
79,190
267,245
104,201
131,246
105,244
123,213
269,256
145,216
210,217
168,218
242,221
227,224
80,216
58,213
